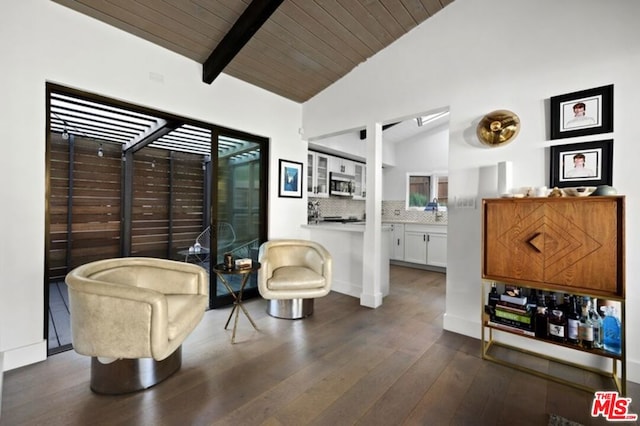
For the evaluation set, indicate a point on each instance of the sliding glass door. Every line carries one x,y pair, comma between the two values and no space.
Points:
239,207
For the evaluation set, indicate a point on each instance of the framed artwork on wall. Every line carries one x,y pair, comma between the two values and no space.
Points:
587,112
290,179
582,164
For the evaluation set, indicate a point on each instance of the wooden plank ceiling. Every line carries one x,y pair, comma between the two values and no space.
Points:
304,47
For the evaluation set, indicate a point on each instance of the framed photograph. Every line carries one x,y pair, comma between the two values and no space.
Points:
290,179
588,112
582,164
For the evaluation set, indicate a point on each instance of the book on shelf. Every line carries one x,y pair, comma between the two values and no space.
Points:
525,319
519,309
511,328
516,300
512,323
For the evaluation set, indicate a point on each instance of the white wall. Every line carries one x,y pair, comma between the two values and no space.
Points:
41,41
478,56
426,152
345,144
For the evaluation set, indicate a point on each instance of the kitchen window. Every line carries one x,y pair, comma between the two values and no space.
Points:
425,188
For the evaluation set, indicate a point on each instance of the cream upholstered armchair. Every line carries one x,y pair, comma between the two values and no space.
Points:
293,273
131,315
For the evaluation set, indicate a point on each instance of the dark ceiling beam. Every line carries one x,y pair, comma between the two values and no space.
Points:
254,16
363,133
155,133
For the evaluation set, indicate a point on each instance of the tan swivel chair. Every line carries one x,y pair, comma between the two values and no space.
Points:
293,273
131,316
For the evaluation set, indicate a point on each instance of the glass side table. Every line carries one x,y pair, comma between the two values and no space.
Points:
222,272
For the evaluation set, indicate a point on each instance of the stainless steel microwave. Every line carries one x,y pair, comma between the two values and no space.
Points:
341,184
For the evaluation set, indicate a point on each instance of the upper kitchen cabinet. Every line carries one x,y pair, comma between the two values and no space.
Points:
317,174
342,166
360,189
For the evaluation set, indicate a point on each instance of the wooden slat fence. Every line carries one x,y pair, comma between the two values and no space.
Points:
167,206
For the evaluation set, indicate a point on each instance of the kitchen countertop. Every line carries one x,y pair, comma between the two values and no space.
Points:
413,222
339,226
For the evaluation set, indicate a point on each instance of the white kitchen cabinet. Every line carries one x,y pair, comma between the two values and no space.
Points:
437,249
360,189
425,245
415,247
317,174
342,165
397,241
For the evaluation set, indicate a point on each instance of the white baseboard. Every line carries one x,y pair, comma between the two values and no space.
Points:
25,355
353,290
344,287
633,371
461,326
371,300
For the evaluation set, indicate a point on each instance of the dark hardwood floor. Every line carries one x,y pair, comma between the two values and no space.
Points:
344,365
59,323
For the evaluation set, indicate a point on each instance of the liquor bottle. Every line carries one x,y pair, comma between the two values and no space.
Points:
611,327
532,301
542,317
494,297
573,320
597,325
585,328
557,326
553,302
565,306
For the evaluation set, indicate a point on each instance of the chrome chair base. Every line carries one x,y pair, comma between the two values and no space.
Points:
290,308
131,375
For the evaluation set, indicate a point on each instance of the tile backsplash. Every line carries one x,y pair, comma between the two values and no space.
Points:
391,210
344,207
394,210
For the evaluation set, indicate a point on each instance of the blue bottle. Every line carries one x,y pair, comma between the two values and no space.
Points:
611,328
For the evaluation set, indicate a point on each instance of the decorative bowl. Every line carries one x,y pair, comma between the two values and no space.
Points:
579,191
605,190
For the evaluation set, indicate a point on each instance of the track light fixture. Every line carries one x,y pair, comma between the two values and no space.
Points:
65,134
100,151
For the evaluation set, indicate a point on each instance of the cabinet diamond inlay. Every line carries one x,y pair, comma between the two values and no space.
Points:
549,239
572,243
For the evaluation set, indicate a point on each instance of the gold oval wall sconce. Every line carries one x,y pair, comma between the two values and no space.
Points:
498,128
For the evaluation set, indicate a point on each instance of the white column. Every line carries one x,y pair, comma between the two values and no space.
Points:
372,278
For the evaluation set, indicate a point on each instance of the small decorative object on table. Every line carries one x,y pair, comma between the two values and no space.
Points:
556,192
605,190
580,191
228,261
243,263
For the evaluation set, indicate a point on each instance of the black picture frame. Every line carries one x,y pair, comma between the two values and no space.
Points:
597,164
290,179
597,107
